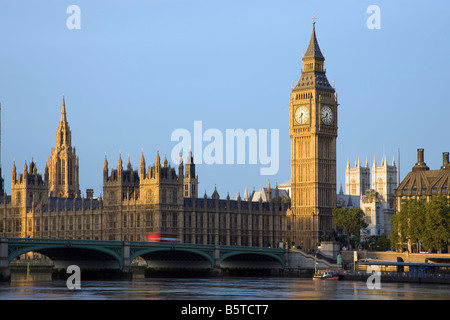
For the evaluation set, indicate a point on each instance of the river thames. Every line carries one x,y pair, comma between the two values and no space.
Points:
226,288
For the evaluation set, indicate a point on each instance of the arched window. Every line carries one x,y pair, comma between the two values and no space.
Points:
353,187
380,186
174,196
163,196
63,172
58,171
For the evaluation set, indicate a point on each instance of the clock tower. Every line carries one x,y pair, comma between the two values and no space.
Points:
313,131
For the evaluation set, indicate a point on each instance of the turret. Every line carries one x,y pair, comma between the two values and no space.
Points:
14,173
105,169
180,167
46,174
269,192
165,162
25,170
120,167
190,179
215,194
142,173
29,186
157,164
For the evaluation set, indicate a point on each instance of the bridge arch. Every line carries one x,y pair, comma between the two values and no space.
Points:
63,252
179,254
271,259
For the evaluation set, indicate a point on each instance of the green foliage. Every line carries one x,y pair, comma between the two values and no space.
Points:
382,243
426,224
437,224
378,243
350,221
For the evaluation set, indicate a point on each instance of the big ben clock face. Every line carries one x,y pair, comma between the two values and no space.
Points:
326,114
302,115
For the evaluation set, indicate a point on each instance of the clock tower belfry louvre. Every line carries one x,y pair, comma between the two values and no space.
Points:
313,131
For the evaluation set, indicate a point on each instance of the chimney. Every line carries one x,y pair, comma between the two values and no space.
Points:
420,165
445,160
419,156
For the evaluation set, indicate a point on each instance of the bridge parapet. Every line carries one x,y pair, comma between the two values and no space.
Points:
120,254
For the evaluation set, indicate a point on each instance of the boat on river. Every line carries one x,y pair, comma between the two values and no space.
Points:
326,275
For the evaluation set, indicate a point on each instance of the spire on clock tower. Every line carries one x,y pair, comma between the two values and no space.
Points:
313,69
313,47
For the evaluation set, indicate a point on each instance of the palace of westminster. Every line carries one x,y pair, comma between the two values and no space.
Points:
163,198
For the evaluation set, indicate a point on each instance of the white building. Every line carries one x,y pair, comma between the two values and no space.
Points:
375,199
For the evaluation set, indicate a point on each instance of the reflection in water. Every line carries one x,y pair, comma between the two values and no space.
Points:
32,277
220,288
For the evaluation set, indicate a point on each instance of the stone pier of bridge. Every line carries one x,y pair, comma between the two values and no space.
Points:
4,263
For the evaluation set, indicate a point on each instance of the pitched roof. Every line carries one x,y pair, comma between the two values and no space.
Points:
313,47
423,181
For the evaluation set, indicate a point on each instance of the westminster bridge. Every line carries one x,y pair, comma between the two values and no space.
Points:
121,255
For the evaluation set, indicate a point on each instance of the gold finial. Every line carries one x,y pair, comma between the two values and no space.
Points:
314,18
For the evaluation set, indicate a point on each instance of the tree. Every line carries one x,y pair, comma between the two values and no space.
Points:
350,221
437,223
419,223
408,225
382,243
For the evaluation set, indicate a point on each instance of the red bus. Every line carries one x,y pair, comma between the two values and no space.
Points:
162,237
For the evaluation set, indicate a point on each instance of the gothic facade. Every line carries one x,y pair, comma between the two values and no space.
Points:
157,198
372,190
161,197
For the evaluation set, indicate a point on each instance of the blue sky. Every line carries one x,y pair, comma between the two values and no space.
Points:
138,70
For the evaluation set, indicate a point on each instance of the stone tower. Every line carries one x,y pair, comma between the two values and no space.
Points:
120,184
28,189
190,179
154,193
63,162
313,131
357,179
384,181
